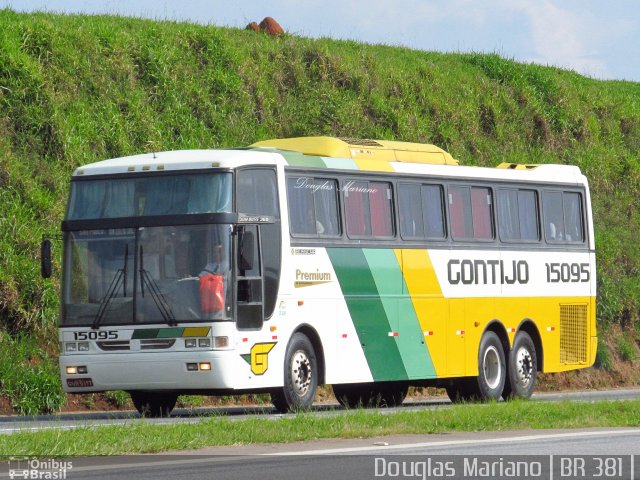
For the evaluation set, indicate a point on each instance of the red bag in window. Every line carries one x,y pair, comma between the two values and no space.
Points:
211,293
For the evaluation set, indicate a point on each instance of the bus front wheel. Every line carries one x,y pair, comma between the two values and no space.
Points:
154,404
523,368
300,376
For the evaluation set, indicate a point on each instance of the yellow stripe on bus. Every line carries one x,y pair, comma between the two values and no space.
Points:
426,295
196,332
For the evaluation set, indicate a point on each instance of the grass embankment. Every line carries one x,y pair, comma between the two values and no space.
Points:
77,89
142,437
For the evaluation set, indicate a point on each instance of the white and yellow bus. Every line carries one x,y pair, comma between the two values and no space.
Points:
367,265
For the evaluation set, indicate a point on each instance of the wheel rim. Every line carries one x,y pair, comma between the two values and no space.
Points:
491,367
301,373
524,366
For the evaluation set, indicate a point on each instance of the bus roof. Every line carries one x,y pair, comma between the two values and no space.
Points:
335,154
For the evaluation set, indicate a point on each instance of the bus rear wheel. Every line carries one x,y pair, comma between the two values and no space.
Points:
300,376
492,372
154,404
523,368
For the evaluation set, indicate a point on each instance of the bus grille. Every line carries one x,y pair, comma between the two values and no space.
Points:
152,344
360,142
573,334
114,345
159,344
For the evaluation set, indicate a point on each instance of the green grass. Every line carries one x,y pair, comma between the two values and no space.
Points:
78,89
144,437
627,349
29,376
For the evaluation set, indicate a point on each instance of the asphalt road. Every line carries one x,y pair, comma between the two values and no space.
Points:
455,455
11,424
451,455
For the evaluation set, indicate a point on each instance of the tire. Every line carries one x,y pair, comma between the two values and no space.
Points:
461,390
354,395
523,368
154,405
392,394
492,370
365,395
300,376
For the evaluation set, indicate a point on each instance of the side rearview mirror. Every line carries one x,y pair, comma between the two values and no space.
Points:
45,258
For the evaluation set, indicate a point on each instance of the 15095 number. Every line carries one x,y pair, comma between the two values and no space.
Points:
96,335
568,272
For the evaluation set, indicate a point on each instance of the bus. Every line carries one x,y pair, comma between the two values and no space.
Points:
367,265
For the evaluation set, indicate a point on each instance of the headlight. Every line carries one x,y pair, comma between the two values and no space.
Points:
190,342
71,347
83,346
204,342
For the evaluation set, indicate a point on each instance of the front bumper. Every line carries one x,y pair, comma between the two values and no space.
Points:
144,371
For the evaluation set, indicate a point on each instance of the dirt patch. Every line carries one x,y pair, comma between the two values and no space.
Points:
5,406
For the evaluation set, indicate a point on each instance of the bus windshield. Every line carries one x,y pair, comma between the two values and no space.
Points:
153,194
146,275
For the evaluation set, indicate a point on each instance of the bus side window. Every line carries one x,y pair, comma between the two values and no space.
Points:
572,206
421,211
410,206
460,212
301,210
433,211
313,206
518,215
357,210
553,216
368,209
481,202
471,212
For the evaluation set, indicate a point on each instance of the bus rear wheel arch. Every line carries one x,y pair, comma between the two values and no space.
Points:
300,376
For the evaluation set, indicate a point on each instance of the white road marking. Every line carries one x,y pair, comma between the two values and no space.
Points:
406,446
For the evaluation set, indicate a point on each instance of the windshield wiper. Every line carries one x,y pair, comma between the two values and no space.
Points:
119,277
158,298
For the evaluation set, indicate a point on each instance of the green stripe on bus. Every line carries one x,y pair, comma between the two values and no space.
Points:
145,333
300,160
170,332
368,313
402,317
341,163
